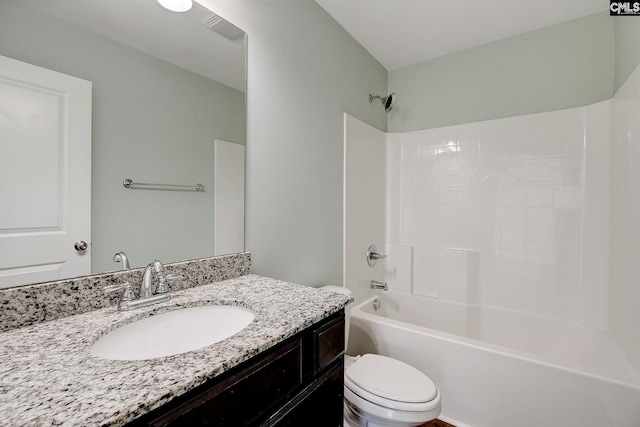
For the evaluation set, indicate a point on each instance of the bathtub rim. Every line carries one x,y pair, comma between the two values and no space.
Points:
504,351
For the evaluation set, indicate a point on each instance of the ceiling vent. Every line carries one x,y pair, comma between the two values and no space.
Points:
222,27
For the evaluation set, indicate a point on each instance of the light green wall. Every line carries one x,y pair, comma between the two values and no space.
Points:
562,66
152,122
627,48
304,72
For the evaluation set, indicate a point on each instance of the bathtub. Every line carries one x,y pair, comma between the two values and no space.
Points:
502,368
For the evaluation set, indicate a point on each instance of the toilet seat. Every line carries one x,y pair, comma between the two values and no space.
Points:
367,410
391,384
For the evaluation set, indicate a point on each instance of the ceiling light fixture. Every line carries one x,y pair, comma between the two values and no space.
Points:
176,5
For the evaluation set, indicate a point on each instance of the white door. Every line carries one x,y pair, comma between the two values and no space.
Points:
228,198
45,174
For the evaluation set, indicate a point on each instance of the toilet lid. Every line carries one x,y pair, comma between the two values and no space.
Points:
391,379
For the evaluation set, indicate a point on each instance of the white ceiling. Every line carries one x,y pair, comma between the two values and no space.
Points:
404,32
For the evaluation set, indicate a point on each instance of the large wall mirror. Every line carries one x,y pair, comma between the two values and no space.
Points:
168,106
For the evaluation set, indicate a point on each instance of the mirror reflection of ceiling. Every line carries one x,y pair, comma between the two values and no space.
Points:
181,39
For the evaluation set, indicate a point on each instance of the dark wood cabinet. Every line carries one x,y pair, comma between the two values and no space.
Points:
298,382
316,406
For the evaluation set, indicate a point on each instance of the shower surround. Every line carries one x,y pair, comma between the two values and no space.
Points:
518,204
534,215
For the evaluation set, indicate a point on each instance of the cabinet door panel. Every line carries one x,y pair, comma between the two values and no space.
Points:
320,405
329,344
243,398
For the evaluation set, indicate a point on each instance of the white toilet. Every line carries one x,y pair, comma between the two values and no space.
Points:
383,392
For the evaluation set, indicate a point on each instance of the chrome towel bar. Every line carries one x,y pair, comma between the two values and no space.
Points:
128,183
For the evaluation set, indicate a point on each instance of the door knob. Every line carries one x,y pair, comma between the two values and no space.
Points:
81,245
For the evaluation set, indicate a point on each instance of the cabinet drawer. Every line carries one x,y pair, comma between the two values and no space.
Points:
244,397
328,343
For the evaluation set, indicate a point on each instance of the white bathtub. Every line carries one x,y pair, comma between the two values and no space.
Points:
497,367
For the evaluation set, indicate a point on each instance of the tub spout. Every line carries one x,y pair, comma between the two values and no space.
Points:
379,285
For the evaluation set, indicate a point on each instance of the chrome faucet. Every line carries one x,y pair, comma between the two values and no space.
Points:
146,290
379,285
146,295
122,257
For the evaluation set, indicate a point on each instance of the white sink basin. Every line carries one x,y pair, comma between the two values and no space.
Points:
174,332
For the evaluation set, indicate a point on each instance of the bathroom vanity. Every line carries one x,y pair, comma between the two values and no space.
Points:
298,382
285,368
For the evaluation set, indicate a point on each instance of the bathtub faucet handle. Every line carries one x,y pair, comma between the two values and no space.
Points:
373,255
379,285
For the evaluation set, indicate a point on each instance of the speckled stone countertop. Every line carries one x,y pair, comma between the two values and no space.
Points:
49,377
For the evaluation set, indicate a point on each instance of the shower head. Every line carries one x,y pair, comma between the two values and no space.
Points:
387,101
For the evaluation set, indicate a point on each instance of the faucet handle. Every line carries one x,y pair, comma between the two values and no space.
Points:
163,287
127,295
373,255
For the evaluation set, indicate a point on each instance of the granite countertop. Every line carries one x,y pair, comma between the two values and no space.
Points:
49,377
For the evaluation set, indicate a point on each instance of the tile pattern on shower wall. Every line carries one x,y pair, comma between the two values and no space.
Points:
511,189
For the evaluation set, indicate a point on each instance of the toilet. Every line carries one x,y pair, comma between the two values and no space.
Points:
383,392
